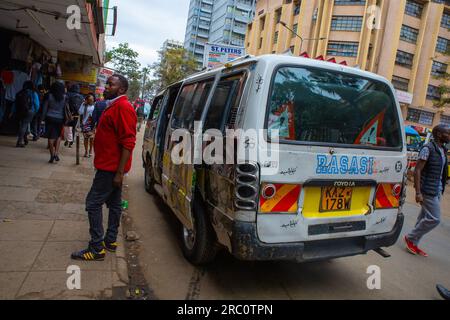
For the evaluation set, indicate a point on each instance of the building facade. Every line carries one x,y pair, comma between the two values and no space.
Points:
402,40
172,44
217,21
198,26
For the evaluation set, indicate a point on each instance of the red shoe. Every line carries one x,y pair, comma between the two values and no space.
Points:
410,246
422,253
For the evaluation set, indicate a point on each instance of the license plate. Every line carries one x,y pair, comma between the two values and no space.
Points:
336,199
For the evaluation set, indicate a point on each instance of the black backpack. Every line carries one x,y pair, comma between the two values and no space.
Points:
24,103
75,102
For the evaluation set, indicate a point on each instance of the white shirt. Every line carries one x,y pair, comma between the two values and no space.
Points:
86,115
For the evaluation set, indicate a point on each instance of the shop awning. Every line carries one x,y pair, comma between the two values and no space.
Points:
410,131
45,22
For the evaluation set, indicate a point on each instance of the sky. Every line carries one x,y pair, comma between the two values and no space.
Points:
146,24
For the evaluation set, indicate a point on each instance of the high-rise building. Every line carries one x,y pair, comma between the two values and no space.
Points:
229,21
217,21
198,26
402,40
172,44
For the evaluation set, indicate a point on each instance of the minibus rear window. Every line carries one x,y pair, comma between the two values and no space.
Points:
317,106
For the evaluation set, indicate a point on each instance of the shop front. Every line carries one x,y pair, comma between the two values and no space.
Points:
21,59
36,44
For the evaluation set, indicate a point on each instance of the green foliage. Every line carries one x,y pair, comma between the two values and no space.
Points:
124,60
173,66
444,89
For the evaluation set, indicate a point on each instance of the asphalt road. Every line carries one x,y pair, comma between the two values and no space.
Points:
403,276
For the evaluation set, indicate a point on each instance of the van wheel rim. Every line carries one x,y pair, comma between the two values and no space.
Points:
189,238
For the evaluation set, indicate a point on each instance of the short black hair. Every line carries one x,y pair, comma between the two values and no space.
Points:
123,81
29,85
439,129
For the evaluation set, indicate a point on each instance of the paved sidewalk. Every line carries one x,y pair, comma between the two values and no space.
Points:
42,221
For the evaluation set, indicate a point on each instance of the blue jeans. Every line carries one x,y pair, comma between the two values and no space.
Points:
103,192
429,218
24,127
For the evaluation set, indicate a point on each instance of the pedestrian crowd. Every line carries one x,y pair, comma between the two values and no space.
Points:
57,114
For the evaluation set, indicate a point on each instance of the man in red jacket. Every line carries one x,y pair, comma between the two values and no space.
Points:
114,144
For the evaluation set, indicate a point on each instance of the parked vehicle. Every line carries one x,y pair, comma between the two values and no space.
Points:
336,188
414,144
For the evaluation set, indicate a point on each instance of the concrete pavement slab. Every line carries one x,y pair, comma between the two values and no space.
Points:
63,194
18,255
17,210
53,285
11,181
25,230
55,256
10,283
28,173
70,231
18,194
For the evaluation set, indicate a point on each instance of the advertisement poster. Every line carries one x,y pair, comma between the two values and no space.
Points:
216,55
102,77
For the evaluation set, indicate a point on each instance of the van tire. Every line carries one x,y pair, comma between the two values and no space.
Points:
149,180
205,247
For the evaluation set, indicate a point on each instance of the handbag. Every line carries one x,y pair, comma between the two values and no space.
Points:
68,116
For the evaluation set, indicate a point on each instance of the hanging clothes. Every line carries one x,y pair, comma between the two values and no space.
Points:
21,48
19,78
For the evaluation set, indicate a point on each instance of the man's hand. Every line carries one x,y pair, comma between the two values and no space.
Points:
118,180
419,198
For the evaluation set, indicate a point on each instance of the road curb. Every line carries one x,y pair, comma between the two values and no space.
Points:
121,264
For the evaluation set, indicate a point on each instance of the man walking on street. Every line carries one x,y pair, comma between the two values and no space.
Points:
114,144
429,180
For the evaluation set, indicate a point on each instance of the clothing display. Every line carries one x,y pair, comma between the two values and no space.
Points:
21,48
19,78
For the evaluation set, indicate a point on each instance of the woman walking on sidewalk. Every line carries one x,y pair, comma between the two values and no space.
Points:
54,115
87,124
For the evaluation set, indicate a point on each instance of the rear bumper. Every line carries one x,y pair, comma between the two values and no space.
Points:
247,246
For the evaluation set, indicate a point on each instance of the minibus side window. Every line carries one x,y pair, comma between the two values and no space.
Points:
182,104
225,102
191,104
156,108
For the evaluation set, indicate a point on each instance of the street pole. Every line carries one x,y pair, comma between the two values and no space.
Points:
78,148
300,37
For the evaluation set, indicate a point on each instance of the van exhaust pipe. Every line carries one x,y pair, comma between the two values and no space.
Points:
382,253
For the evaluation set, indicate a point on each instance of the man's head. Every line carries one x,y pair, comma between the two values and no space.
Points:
90,99
116,86
28,85
74,88
441,134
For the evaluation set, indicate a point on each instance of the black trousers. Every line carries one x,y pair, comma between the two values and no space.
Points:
103,192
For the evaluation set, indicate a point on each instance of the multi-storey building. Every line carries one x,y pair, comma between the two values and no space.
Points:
229,21
172,44
402,40
217,21
198,26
